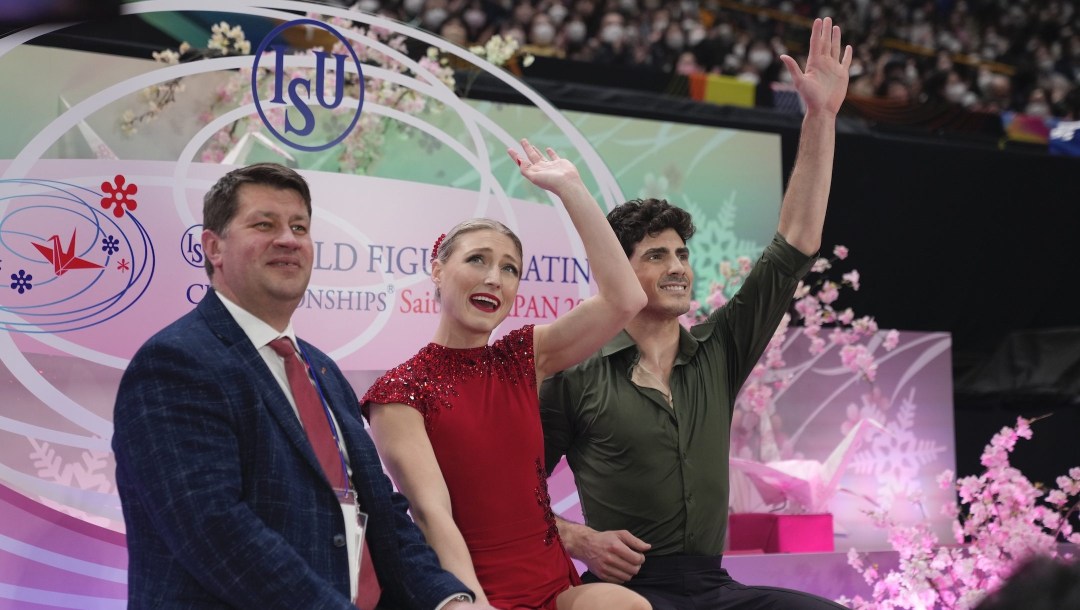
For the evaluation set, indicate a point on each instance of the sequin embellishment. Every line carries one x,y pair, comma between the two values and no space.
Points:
543,498
429,380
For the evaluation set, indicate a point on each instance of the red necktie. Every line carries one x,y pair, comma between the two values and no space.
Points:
317,426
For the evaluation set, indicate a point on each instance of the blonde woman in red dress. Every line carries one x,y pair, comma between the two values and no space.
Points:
458,424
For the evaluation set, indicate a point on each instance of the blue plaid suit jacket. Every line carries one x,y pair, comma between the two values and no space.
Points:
223,498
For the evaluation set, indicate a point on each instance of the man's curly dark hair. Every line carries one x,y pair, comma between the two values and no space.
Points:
636,218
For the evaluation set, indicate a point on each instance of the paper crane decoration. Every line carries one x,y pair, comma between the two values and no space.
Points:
804,486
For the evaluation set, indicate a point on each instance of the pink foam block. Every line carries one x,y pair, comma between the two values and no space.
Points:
772,533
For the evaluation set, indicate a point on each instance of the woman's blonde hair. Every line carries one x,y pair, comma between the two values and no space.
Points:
445,245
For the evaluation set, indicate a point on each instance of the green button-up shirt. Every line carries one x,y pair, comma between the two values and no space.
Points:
661,471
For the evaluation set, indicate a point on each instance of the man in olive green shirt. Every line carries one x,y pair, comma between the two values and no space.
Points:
645,422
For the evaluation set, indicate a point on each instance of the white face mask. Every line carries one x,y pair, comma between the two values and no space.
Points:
517,34
557,13
686,66
434,18
543,34
368,6
475,18
1039,109
760,58
612,34
725,32
954,92
413,7
674,42
695,36
575,32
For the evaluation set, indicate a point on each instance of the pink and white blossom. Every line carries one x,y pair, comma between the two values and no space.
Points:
1005,522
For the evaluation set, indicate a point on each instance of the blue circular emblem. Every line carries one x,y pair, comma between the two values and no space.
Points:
191,246
71,264
295,93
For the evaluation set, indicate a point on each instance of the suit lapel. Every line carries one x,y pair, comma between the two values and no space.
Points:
226,329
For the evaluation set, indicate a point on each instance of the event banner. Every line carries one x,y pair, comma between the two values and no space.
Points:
103,168
108,157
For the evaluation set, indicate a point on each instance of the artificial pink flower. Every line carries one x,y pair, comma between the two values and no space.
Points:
1005,522
852,279
829,292
846,316
716,298
807,306
891,339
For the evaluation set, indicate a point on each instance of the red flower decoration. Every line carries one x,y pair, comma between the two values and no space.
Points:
119,195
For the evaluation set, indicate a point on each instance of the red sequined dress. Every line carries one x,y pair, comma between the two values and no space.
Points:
483,418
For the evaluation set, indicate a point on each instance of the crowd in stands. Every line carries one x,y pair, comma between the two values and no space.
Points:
984,55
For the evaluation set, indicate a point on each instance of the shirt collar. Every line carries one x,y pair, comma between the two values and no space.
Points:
260,333
688,342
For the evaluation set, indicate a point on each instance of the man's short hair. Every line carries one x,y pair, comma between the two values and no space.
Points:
221,201
636,218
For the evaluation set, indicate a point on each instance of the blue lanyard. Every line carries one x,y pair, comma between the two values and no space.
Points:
329,418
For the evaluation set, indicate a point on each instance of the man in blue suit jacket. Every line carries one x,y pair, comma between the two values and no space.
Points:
225,502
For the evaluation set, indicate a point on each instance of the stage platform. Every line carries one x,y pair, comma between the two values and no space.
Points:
824,574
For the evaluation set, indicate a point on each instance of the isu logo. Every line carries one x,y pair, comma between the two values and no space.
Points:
296,94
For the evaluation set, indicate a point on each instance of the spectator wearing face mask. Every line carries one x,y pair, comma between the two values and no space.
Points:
947,86
1038,104
664,52
958,90
477,22
453,29
522,15
586,10
542,41
412,9
759,57
1070,106
896,90
611,46
512,30
687,64
716,46
434,15
575,36
558,12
